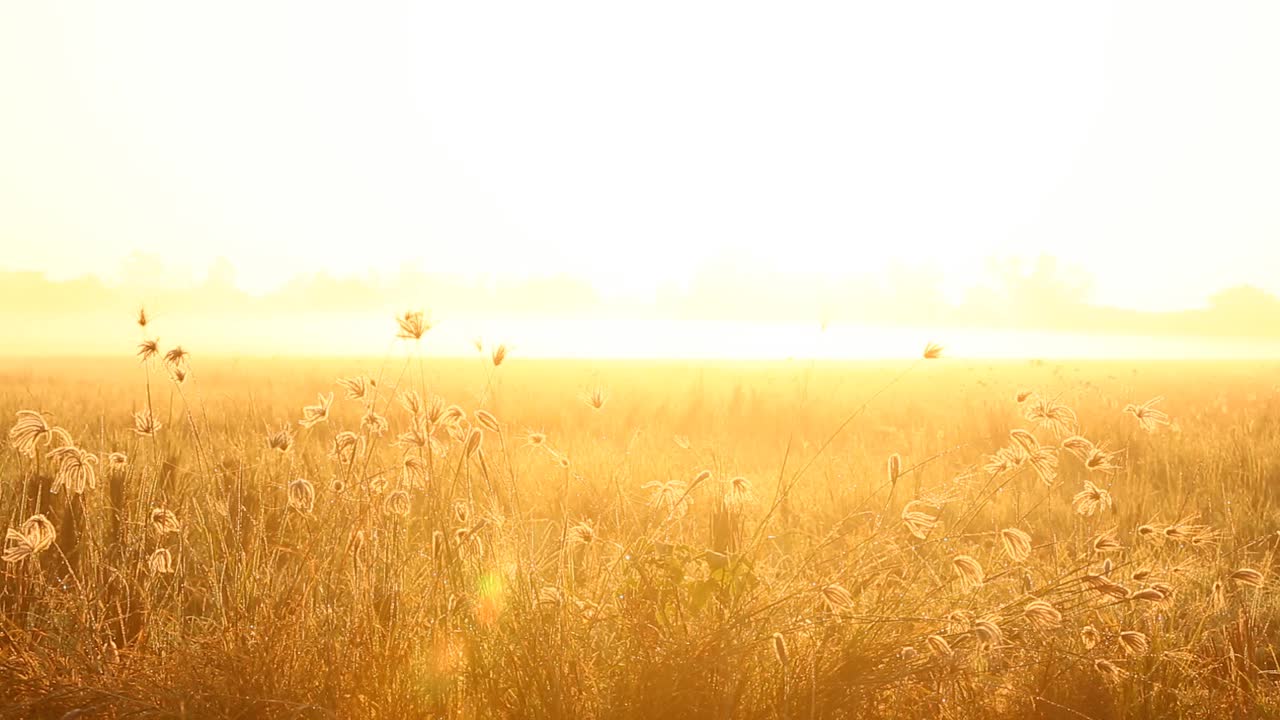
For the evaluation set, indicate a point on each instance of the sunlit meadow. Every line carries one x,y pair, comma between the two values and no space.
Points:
629,361
410,536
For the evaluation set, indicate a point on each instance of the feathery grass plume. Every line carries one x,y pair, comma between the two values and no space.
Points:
1151,532
1107,567
40,531
474,440
959,621
1149,594
1218,595
110,653
535,439
160,562
1004,460
486,420
439,548
337,486
1149,418
177,358
457,431
373,424
907,654
969,571
358,387
117,462
281,440
177,374
1024,440
780,649
142,318
32,430
345,447
932,351
34,536
396,503
1022,396
894,468
435,409
681,441
1090,637
1078,446
1247,576
356,543
836,598
738,493
413,403
670,497
76,469
1058,418
302,496
1101,461
1016,544
313,415
596,397
499,354
1108,669
1042,615
145,424
1101,585
582,533
563,461
416,435
453,415
939,646
1191,533
1165,589
468,544
461,512
413,325
988,633
415,470
1106,543
1091,500
918,522
164,522
1044,461
1134,642
148,349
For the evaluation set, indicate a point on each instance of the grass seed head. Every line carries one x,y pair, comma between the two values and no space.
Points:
1042,615
302,496
1248,577
160,562
1016,544
164,522
1134,642
412,325
313,415
969,570
780,649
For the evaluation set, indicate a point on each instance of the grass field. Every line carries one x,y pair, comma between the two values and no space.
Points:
627,540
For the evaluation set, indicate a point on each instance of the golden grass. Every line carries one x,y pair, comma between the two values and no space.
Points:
503,537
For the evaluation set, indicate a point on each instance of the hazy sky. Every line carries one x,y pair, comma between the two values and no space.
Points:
631,143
